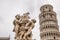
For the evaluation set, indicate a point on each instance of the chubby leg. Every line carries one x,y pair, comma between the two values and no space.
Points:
27,34
21,35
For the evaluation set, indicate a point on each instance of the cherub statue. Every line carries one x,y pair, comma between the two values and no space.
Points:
23,26
23,21
16,24
29,26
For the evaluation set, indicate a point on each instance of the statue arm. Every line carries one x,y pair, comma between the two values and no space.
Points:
30,28
27,25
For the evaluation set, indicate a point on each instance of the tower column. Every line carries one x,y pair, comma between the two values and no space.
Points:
48,23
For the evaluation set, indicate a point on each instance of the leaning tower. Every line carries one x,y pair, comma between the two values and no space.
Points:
49,28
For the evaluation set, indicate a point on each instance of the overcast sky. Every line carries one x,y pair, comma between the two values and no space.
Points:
9,8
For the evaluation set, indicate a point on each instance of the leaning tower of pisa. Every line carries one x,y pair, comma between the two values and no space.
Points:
49,28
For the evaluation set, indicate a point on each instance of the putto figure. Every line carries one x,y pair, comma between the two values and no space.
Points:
23,26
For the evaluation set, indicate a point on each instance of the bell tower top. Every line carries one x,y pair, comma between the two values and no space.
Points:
46,7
